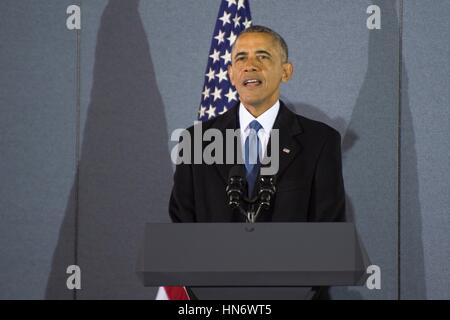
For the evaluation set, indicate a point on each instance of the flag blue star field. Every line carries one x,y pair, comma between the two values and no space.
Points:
219,95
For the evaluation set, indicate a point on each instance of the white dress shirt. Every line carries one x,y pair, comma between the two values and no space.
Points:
267,119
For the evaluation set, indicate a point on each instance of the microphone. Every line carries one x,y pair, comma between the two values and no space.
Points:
267,190
236,186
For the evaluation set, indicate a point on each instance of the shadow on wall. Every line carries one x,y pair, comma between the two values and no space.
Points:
125,170
370,116
413,284
369,153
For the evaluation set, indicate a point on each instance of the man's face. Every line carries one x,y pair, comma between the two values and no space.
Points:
257,69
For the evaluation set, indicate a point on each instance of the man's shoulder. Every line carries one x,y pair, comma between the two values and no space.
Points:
217,122
310,127
313,128
316,127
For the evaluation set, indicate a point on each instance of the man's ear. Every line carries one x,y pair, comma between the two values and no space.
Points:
230,73
288,70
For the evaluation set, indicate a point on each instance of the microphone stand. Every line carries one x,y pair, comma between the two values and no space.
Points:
266,190
251,214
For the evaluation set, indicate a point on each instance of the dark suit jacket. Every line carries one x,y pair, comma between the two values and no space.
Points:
309,180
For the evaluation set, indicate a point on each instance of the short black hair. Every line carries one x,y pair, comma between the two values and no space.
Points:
275,35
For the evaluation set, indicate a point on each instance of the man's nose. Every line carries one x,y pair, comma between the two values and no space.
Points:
251,65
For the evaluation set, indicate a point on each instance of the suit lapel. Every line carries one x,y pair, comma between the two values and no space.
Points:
289,146
229,121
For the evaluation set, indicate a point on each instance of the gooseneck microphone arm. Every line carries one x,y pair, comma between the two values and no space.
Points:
237,189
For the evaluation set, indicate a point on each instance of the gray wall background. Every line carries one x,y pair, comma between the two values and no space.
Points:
85,119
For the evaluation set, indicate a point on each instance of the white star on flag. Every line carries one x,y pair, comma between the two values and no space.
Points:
231,95
247,23
240,4
224,110
211,112
217,93
231,2
226,57
236,20
225,18
222,75
205,93
219,37
232,38
211,75
215,56
201,112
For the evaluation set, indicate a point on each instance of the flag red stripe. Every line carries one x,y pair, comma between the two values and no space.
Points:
176,293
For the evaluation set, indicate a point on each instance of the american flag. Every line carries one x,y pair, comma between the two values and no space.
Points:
219,95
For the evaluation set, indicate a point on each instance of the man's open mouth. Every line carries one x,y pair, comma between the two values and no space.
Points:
252,83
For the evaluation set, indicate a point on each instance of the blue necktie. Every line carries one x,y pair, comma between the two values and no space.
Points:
252,151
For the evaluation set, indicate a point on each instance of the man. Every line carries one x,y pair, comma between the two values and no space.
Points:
309,183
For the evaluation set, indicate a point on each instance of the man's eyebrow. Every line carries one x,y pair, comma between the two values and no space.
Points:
263,51
241,53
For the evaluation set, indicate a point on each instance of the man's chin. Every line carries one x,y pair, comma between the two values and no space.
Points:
255,103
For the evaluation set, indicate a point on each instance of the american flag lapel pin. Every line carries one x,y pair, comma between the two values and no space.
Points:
286,150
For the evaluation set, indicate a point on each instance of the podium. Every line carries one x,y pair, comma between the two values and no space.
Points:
252,261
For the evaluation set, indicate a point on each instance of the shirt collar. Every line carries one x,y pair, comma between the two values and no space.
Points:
267,119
